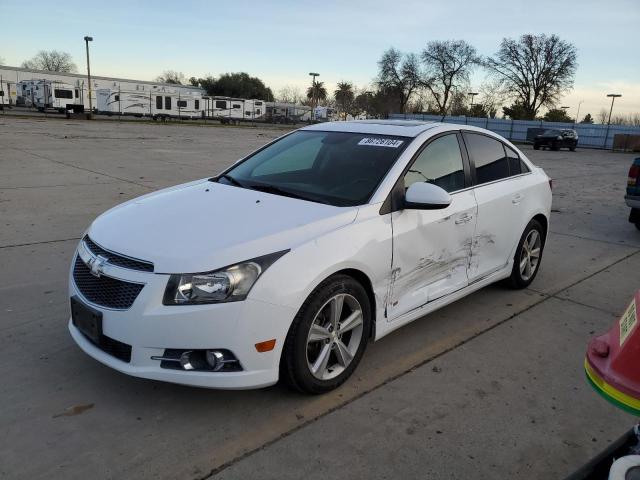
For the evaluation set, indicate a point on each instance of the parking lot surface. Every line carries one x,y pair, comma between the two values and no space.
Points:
489,387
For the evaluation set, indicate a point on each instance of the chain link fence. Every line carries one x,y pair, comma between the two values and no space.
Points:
589,135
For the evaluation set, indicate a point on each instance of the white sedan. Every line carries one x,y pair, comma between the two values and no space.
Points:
289,262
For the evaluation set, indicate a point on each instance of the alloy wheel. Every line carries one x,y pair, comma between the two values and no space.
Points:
530,255
334,336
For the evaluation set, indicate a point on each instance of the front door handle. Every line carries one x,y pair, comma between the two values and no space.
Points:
463,219
517,198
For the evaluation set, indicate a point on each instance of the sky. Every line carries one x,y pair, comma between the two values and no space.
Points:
281,41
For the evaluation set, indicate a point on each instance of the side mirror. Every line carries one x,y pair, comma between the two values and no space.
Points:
426,196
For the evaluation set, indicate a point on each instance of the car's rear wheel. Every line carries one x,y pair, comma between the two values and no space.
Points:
328,336
526,261
536,146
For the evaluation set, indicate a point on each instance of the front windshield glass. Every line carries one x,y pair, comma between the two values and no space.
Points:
337,168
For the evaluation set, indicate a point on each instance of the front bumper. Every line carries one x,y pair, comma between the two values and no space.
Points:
150,327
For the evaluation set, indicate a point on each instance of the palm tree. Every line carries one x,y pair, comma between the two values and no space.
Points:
344,95
317,92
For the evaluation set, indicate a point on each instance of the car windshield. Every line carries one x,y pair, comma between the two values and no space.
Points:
336,168
552,133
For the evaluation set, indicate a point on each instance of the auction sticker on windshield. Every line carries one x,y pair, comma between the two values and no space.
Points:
381,142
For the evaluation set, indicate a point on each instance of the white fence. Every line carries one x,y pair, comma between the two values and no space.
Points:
590,135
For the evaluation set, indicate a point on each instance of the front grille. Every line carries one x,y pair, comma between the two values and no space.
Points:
116,258
104,291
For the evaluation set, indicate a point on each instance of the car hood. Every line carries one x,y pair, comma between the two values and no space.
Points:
202,226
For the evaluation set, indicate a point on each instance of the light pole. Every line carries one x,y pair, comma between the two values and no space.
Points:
472,94
88,39
613,99
313,91
578,112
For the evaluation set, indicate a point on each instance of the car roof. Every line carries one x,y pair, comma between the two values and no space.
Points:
399,128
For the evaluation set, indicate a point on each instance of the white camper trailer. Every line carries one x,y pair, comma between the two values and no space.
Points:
234,110
154,104
50,94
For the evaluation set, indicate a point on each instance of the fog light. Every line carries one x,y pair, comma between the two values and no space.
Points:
215,360
185,361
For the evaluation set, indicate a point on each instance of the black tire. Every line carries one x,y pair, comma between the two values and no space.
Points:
536,146
573,149
518,280
554,146
294,364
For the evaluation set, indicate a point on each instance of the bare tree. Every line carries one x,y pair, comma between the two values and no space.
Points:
290,94
52,61
535,69
399,75
603,115
447,66
172,76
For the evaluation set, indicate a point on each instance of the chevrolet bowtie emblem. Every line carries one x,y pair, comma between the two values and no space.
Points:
96,265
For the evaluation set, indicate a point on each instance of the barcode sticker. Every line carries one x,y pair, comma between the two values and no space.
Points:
381,142
628,322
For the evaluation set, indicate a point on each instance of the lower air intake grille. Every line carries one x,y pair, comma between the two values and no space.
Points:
104,291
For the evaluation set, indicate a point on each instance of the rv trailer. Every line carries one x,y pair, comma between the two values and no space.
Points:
50,94
157,104
235,110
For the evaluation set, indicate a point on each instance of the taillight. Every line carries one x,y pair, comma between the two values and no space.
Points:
634,173
551,184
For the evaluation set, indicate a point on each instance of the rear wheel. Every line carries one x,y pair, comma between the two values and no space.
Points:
526,261
536,146
328,336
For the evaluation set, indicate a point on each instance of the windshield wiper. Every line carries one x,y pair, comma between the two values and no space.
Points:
285,193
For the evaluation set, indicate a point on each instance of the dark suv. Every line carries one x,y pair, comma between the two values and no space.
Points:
556,139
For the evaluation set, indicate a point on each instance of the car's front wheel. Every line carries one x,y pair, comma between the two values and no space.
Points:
328,336
526,261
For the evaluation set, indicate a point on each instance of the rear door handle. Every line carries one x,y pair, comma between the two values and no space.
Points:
463,219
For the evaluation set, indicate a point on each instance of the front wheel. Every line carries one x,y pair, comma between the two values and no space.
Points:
328,336
526,261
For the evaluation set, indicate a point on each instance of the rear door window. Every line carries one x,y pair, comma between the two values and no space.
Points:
489,157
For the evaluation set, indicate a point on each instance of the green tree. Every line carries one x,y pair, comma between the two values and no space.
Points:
239,85
317,91
479,110
344,96
518,111
587,119
557,115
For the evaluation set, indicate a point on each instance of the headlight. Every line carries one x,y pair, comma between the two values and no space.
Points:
229,284
559,137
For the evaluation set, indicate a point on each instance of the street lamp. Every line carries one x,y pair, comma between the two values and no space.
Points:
613,99
88,39
313,91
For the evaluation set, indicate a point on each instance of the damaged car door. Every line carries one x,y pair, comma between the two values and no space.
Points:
432,247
